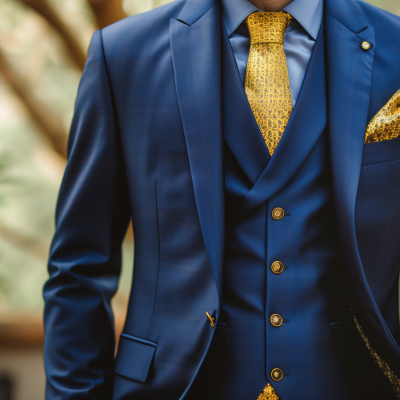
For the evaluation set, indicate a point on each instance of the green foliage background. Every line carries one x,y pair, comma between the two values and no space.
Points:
30,171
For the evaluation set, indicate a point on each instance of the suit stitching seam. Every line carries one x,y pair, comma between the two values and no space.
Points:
381,163
109,83
115,116
159,260
138,340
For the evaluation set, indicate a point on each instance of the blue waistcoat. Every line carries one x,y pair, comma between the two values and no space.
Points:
307,294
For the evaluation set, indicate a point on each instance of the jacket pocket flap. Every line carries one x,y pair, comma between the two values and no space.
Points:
134,357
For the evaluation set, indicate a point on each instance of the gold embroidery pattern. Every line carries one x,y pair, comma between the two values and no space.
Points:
386,124
267,78
387,371
268,394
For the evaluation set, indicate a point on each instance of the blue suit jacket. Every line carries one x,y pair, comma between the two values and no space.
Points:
146,143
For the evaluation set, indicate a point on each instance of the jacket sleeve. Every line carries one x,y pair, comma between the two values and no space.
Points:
92,216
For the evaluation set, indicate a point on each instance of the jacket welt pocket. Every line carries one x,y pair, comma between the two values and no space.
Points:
134,357
381,152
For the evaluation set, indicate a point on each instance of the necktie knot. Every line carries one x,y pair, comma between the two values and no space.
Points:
267,27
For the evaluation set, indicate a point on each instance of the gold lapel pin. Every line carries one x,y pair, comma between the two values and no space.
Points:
212,320
365,45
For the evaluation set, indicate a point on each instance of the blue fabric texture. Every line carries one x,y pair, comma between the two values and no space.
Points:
299,38
147,143
246,347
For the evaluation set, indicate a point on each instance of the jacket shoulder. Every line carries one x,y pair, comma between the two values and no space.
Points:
141,28
378,17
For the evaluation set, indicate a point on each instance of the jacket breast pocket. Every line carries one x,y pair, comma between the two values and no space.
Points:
381,152
134,357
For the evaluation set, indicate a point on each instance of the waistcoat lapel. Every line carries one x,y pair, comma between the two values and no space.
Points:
305,126
349,84
196,53
241,131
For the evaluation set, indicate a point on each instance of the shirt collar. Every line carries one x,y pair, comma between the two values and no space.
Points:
308,13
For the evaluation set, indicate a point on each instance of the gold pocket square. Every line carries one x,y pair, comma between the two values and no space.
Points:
386,124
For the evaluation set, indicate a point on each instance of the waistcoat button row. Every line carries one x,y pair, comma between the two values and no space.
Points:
278,213
277,267
276,320
277,374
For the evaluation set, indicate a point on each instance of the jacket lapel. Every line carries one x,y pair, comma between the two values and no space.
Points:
241,132
349,85
195,46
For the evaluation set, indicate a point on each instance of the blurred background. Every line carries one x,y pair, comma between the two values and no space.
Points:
43,47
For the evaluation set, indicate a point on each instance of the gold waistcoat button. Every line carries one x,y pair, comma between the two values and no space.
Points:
278,213
277,267
277,374
365,46
276,320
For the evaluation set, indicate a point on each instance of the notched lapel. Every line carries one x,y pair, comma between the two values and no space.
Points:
196,53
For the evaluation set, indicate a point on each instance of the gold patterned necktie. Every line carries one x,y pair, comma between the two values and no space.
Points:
267,78
268,89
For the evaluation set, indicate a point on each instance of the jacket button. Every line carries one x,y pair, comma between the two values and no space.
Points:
276,320
277,267
365,46
276,374
278,213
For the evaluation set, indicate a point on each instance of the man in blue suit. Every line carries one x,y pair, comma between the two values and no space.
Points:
256,147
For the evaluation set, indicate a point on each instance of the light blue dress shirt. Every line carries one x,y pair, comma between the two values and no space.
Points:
299,38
